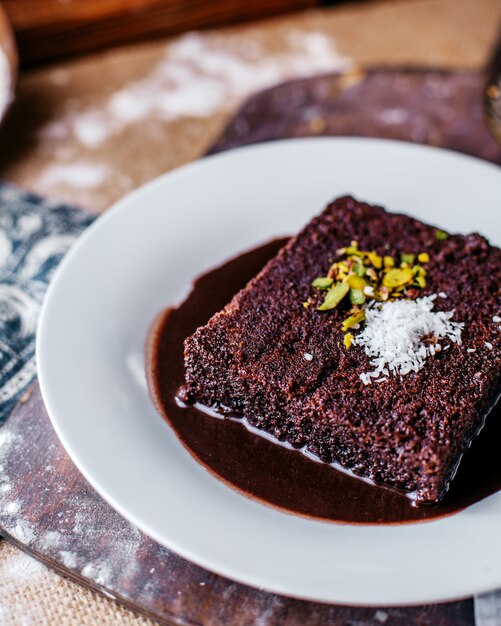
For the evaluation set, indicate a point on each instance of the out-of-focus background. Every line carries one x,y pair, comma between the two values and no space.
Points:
48,30
77,119
103,95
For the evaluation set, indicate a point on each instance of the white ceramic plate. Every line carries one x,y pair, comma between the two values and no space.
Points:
141,257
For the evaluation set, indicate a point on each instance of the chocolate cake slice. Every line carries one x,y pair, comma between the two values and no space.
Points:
313,355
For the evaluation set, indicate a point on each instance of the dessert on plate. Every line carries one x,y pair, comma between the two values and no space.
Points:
370,341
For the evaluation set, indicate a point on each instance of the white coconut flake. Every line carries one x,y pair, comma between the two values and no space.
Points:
442,294
394,332
496,319
471,350
381,616
488,345
308,356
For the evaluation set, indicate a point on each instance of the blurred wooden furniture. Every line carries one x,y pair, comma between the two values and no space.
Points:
52,29
8,63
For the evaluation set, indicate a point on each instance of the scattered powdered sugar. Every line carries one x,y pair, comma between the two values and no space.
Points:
21,578
6,441
12,508
199,75
271,611
394,335
106,566
50,539
18,570
68,559
394,116
100,573
23,532
81,175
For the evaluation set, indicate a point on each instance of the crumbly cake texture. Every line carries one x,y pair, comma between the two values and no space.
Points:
283,367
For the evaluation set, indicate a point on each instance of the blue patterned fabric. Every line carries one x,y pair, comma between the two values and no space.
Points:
35,233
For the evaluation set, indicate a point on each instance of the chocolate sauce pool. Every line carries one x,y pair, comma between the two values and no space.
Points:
275,474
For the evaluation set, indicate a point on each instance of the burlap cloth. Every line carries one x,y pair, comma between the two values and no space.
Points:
77,132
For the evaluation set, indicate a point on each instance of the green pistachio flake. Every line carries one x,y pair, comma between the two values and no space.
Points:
348,340
441,235
417,270
408,258
357,296
398,278
334,296
365,276
375,259
356,282
360,270
353,320
322,282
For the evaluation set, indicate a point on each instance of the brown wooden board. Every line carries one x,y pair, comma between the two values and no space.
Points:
51,512
48,509
434,107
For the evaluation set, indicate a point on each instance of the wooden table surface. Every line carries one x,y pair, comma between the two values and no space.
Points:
75,126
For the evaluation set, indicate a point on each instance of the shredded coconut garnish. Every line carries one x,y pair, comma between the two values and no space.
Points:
400,335
308,357
442,294
496,319
488,345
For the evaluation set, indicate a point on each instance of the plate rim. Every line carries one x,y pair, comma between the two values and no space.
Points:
116,209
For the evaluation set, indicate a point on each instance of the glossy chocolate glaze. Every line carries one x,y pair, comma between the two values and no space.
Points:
275,474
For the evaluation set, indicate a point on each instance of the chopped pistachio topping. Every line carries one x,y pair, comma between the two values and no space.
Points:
408,258
375,259
334,296
354,319
348,340
356,282
357,296
323,282
366,276
398,277
441,235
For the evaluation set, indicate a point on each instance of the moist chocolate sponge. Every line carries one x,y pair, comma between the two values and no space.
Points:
409,432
